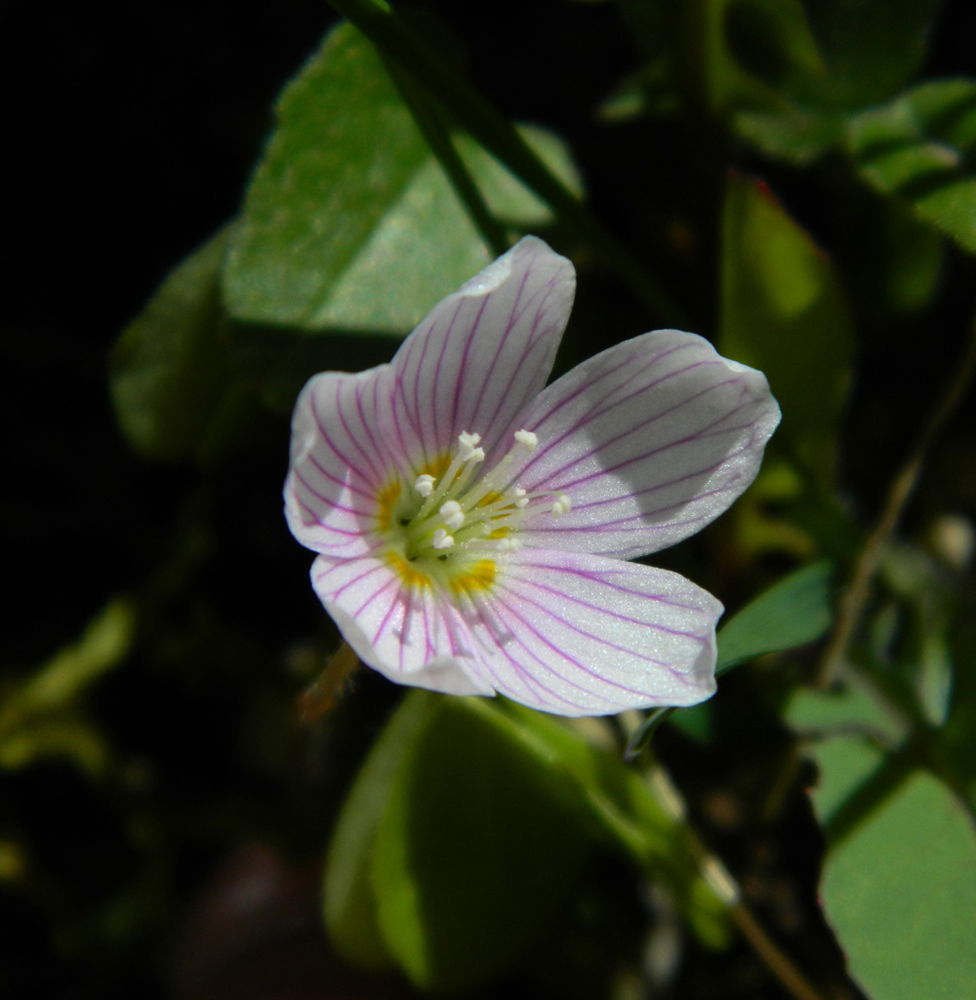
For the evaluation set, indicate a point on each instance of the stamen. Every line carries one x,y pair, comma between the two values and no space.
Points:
442,540
468,450
561,505
453,514
472,511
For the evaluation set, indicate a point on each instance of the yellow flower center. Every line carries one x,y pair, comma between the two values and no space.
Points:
449,526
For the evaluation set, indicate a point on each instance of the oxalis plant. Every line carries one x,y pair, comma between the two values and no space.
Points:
490,748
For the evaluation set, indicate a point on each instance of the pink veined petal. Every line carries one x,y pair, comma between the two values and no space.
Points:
578,634
650,440
338,464
405,633
481,355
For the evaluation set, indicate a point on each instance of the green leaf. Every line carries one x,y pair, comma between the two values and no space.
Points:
474,853
900,892
772,39
631,809
846,765
921,147
894,260
820,713
870,47
847,733
349,898
794,133
784,312
396,37
743,50
172,380
899,879
350,222
754,58
432,839
793,612
820,62
621,802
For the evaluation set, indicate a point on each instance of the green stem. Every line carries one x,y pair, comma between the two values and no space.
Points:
426,114
723,884
467,106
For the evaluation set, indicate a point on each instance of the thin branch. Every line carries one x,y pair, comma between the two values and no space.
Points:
725,887
776,960
855,597
472,111
426,114
323,693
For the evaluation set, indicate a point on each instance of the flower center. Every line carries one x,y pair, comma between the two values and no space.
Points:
452,520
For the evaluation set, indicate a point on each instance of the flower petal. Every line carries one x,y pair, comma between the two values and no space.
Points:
650,441
337,468
404,632
481,355
577,634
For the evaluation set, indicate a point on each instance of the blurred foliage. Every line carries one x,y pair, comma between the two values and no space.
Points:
784,312
794,180
173,383
42,715
922,146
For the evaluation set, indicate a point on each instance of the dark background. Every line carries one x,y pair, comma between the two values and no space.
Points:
130,134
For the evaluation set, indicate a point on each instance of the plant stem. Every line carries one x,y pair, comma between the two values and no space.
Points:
425,113
722,883
470,109
855,596
776,961
323,693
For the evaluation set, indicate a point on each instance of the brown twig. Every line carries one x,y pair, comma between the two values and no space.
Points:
323,693
722,883
776,961
855,595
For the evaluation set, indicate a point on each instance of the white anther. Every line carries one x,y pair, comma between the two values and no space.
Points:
468,449
561,505
452,514
424,485
509,545
442,540
527,438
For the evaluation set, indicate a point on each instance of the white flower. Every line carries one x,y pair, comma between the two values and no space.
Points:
472,523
